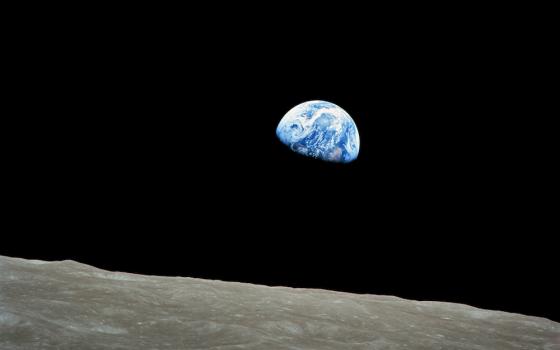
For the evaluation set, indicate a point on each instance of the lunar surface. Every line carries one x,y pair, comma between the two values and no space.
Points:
68,305
322,130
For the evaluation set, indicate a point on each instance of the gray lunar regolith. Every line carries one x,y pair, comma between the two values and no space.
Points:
68,305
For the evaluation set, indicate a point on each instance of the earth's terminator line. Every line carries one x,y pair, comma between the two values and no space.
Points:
322,130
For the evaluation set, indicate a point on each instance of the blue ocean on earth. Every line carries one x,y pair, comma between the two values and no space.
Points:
321,130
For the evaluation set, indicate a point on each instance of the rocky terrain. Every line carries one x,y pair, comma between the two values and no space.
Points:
68,305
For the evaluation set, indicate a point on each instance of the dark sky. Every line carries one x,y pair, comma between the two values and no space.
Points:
156,153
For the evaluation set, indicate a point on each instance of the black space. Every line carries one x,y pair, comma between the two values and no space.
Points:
149,146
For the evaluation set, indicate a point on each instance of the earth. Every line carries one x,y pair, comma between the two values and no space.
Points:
321,130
